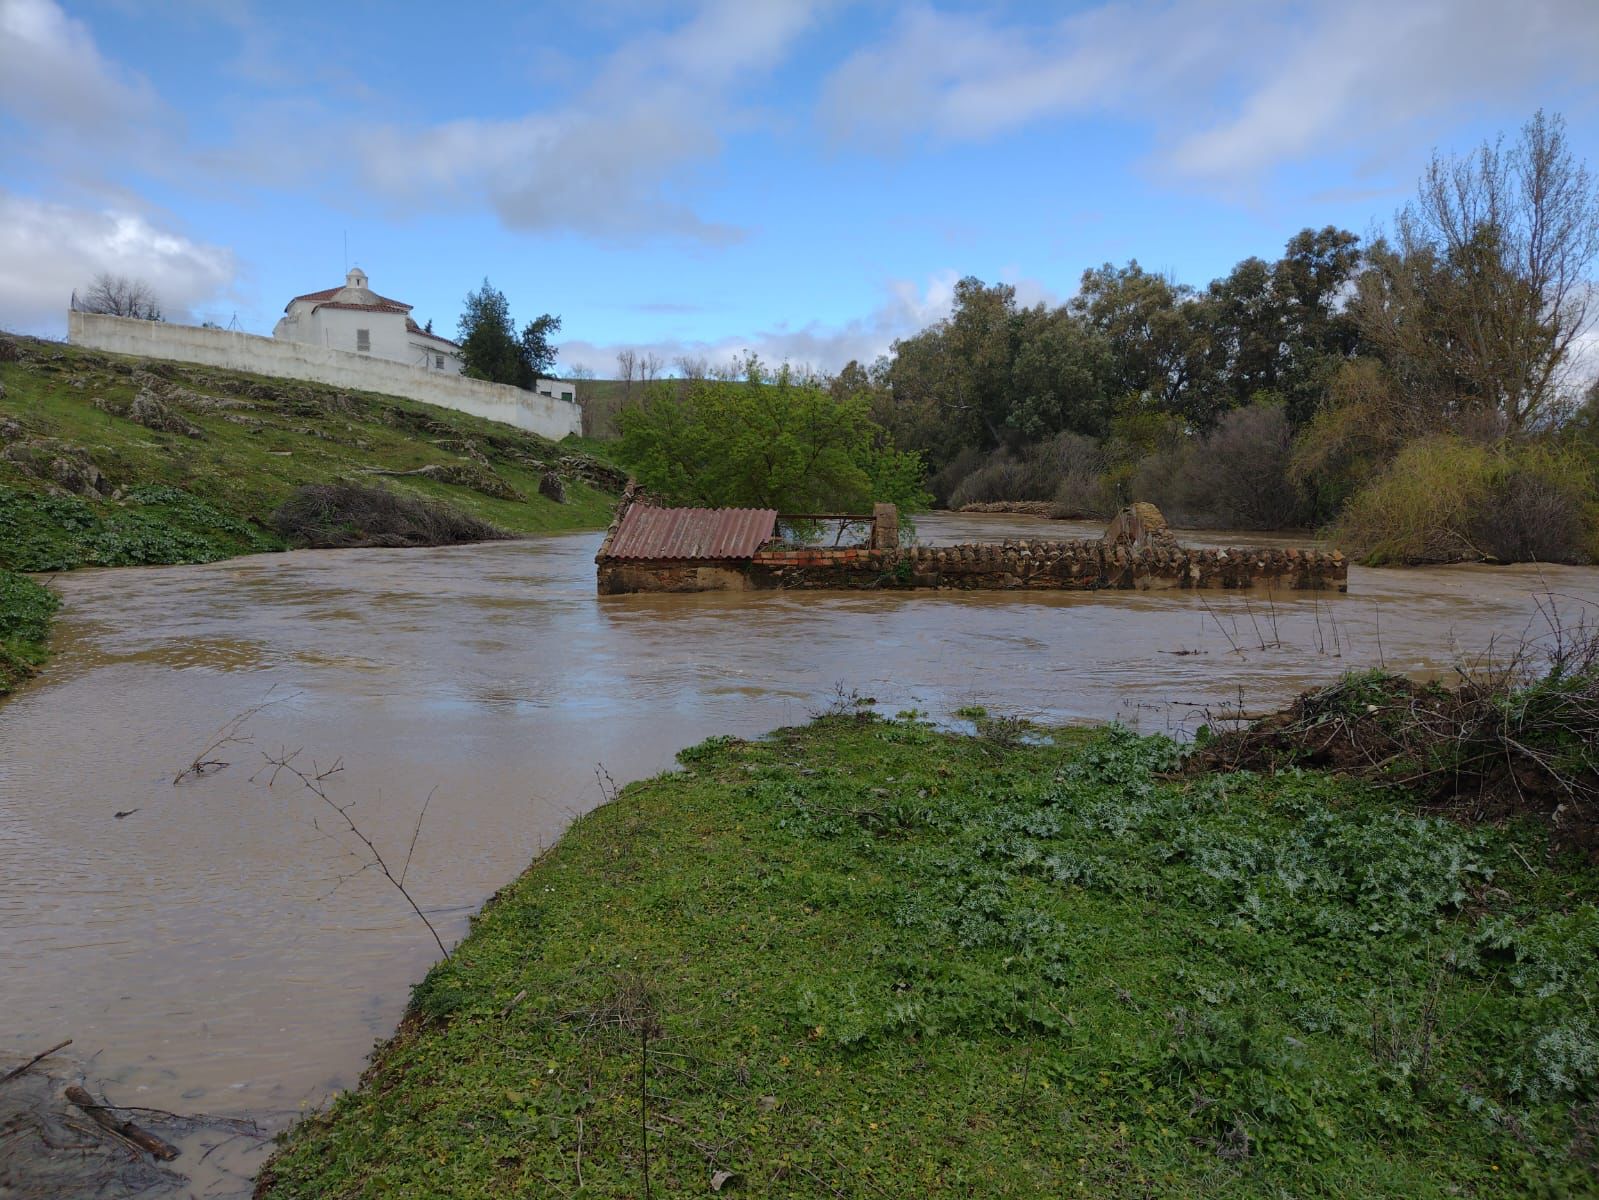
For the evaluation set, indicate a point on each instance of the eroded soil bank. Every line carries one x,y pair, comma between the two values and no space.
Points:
218,949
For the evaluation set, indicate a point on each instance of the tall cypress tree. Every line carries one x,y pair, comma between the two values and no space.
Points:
489,347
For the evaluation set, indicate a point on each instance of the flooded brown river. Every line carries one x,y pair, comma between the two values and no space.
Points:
218,950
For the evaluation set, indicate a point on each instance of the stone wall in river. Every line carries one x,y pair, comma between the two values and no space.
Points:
997,566
1050,565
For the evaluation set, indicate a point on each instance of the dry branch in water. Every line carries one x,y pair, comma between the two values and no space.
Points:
15,1071
126,1130
231,734
314,781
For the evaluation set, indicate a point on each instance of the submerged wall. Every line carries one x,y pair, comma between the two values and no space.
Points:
543,415
1001,566
1051,565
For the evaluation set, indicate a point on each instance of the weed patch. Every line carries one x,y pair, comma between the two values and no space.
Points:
25,612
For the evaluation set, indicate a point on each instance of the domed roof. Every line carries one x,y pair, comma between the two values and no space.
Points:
354,294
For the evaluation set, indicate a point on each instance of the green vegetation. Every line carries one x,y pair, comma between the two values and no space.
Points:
25,611
492,349
1442,499
869,958
106,460
768,440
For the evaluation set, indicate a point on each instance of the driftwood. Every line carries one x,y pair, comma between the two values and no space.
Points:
15,1071
127,1130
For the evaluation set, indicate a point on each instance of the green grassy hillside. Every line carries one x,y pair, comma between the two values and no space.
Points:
112,460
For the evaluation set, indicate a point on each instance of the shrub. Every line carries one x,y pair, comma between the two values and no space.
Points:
25,608
1000,478
150,525
1448,500
1238,476
341,514
1421,508
1158,478
1082,494
1540,508
943,482
1077,464
1351,437
1035,473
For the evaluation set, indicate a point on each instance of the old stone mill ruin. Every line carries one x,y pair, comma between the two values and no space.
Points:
651,548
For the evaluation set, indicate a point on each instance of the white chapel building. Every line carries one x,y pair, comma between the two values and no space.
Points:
357,320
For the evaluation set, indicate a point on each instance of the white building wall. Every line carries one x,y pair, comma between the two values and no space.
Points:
560,389
428,352
337,327
544,415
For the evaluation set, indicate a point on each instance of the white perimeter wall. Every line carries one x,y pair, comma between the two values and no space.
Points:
543,415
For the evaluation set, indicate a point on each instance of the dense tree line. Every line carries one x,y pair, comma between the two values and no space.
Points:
1291,391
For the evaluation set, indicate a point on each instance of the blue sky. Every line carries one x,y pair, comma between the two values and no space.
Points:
806,180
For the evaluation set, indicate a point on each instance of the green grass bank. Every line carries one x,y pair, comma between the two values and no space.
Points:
868,958
25,612
108,460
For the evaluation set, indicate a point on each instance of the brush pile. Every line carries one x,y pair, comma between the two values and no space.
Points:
1505,738
343,514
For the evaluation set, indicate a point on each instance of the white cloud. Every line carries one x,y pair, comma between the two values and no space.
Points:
53,75
616,159
905,308
47,250
608,163
1233,88
597,173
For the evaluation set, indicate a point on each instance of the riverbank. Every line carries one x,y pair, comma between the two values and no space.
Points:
108,460
26,609
868,957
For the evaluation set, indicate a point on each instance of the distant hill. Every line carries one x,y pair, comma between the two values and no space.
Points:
112,460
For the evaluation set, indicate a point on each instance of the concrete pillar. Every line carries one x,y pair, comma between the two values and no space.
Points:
885,527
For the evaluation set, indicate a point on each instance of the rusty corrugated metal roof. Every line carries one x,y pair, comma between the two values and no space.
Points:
649,532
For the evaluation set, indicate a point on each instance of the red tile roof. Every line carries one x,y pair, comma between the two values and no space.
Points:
383,308
324,299
651,533
416,330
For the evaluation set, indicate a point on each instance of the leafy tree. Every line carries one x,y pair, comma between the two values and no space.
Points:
1157,348
993,374
980,338
1276,329
1059,377
536,354
1480,300
769,441
490,347
1311,283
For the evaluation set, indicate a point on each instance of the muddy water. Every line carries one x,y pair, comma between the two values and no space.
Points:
218,950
